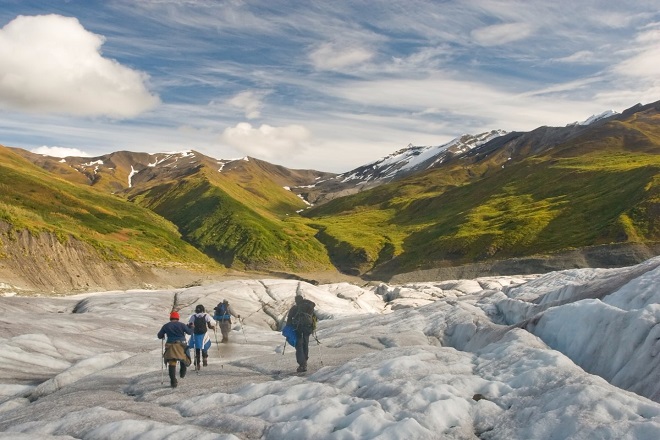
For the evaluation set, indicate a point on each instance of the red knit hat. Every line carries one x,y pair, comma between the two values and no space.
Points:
174,315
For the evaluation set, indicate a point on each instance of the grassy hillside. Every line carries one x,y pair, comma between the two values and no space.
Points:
601,188
33,199
580,187
240,217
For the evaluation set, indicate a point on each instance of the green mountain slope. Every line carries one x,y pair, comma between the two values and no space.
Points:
546,191
241,217
602,187
34,199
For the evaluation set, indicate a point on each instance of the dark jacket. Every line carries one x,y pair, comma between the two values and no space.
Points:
175,331
301,315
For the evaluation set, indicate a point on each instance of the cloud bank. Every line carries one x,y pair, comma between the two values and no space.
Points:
60,152
267,142
51,64
366,79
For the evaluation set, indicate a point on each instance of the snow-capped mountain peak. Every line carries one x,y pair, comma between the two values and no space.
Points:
595,118
416,158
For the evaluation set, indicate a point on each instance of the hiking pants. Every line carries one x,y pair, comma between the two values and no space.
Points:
225,328
302,348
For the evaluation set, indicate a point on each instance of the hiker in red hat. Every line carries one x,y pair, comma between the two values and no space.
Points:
176,346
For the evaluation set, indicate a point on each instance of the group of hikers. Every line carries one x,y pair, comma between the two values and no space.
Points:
301,320
177,347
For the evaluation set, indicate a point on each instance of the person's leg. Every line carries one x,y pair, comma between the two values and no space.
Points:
205,356
306,346
182,369
197,343
224,329
171,369
300,352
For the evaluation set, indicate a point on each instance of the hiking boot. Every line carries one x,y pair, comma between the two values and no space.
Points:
205,362
302,369
182,372
225,340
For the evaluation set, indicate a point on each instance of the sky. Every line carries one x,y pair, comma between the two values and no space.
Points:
317,85
569,354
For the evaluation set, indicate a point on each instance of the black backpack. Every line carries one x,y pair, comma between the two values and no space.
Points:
200,324
304,318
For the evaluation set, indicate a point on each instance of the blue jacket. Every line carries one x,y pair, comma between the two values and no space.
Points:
175,331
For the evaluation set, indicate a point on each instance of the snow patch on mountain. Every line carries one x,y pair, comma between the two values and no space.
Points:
417,158
595,118
130,176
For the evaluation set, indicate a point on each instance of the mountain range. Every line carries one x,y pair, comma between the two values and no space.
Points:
554,197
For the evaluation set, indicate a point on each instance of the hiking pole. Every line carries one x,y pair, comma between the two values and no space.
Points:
318,344
215,332
162,360
242,329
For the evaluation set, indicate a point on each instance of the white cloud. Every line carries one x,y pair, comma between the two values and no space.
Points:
333,56
645,63
50,63
499,34
614,19
250,101
580,57
267,142
475,106
59,151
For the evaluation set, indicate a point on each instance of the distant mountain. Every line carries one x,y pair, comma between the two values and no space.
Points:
595,118
240,212
477,199
550,190
60,234
394,166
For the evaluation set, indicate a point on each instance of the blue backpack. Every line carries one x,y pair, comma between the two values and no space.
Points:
221,313
289,332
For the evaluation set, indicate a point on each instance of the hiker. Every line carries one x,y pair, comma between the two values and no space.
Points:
200,322
223,314
176,348
301,318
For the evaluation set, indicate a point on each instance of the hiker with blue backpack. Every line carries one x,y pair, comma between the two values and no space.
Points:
200,322
302,319
223,314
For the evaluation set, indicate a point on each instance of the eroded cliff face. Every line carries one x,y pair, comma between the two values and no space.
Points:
40,263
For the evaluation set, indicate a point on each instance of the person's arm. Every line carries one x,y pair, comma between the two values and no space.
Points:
289,317
231,311
188,329
161,333
210,322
